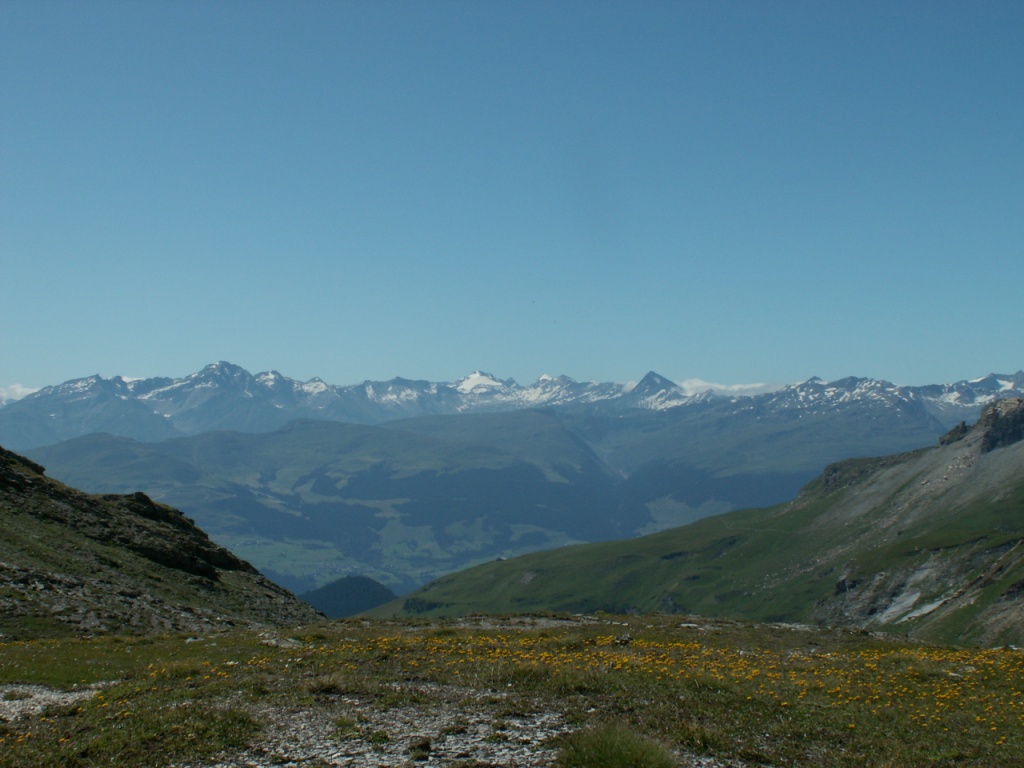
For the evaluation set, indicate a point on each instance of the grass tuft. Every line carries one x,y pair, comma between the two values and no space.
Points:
613,745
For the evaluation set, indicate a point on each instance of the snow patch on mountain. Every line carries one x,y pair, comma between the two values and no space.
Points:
390,392
269,378
313,387
478,381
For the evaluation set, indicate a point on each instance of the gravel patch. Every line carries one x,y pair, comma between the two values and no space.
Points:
23,701
456,729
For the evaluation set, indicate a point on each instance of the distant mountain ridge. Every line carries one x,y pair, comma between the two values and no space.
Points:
223,396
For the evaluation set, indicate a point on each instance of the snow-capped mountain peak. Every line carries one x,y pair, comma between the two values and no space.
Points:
314,386
269,378
655,392
479,381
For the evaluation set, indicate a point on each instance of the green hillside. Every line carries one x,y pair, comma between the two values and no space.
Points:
927,543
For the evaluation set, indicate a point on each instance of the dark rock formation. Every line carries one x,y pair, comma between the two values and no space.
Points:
1002,423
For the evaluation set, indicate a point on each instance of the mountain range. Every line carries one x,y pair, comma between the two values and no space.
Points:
929,543
223,396
452,475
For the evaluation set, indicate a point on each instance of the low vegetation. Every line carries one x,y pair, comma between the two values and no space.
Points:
613,745
638,691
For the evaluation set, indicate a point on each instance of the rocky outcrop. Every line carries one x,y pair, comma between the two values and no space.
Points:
1002,424
74,562
959,432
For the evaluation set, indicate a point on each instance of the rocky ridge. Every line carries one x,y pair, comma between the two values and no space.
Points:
77,563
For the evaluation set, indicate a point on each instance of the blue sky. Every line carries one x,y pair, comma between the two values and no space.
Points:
736,192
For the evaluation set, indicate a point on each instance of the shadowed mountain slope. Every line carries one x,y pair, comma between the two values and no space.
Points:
348,596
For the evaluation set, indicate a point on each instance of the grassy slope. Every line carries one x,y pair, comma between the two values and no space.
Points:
848,549
699,568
